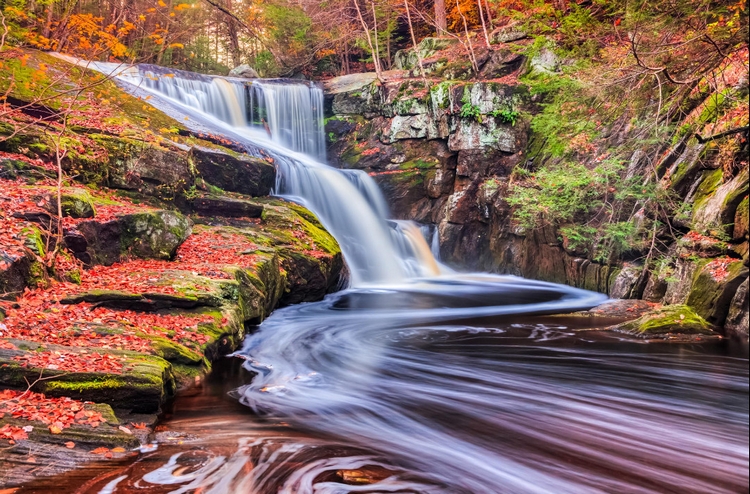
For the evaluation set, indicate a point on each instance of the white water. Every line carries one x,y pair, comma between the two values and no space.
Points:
285,121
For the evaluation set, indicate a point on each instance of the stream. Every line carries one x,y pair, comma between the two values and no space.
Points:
346,402
417,379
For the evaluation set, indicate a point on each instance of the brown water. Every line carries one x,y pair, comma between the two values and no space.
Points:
372,400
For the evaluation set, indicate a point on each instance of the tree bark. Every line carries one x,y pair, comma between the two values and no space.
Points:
369,40
441,20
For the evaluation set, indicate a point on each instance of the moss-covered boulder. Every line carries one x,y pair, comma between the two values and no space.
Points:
714,286
666,321
161,170
75,203
154,234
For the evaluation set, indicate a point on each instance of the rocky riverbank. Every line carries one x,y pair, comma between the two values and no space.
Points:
167,252
492,161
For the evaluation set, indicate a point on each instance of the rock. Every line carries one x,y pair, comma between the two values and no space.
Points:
213,205
407,59
623,285
154,235
18,272
620,309
243,174
148,235
741,220
76,203
665,322
545,62
244,71
501,63
712,213
348,83
365,101
714,286
738,318
506,34
151,169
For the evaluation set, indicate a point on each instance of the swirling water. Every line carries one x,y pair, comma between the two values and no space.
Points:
419,380
352,396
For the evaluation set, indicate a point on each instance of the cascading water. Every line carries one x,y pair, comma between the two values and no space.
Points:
438,384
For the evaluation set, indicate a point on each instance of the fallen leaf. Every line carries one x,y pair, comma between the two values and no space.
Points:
70,445
118,450
55,429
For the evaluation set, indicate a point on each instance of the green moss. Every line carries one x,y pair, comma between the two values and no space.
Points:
672,319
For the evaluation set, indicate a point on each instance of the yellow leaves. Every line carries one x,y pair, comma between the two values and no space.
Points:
54,429
171,76
171,14
142,18
43,67
24,60
183,6
118,450
177,45
162,4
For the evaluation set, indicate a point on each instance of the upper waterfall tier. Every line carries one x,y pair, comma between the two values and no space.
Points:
290,113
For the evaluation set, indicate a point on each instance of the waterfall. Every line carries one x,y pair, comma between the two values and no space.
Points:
284,119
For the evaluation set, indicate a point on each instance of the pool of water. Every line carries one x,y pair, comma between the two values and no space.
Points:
325,399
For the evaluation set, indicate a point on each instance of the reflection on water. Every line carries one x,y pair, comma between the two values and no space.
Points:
440,401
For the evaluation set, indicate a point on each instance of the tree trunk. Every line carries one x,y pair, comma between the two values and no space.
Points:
414,42
484,25
369,40
441,20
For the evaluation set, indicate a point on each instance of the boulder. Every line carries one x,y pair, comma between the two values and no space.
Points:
234,173
244,71
507,34
147,235
623,285
665,322
152,169
714,286
738,318
228,207
76,203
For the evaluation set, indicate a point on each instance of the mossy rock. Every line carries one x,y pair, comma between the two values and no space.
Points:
669,320
76,203
713,287
142,389
154,235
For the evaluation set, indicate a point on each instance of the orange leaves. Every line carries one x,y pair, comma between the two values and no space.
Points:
12,433
73,362
70,445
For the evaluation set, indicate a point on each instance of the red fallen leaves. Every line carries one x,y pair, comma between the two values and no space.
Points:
73,362
697,237
40,318
718,268
18,197
12,433
57,413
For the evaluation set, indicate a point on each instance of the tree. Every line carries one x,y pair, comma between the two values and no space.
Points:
441,20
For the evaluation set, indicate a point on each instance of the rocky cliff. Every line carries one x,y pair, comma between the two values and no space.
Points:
514,184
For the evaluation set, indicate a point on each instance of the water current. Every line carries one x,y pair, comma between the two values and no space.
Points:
417,379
